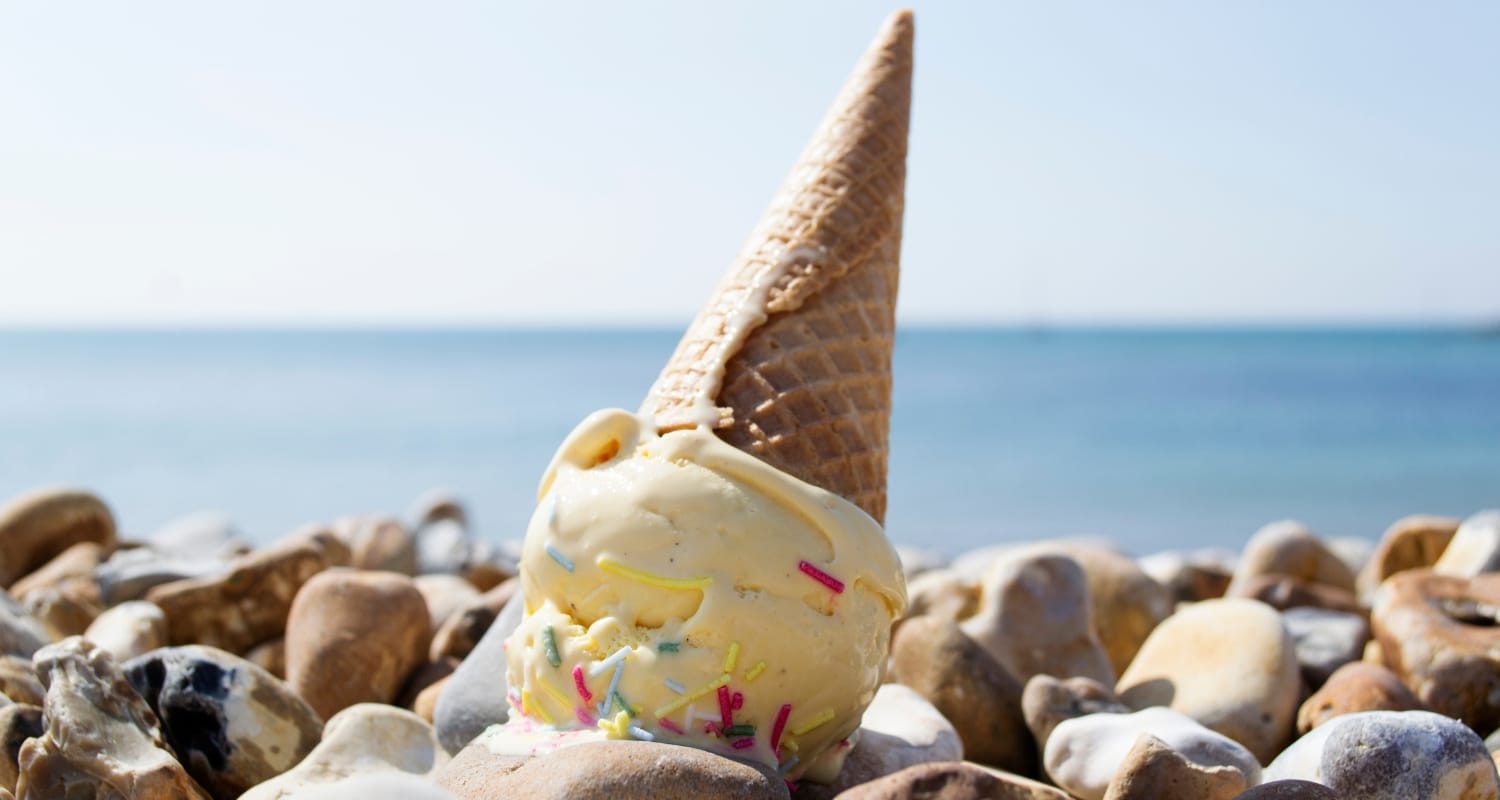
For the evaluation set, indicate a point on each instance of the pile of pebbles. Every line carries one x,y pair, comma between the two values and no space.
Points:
364,660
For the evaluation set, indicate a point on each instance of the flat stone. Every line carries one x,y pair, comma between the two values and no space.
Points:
954,780
244,607
941,593
129,629
1474,549
35,527
1125,603
19,681
76,563
354,637
17,724
1391,755
101,741
1289,548
1411,543
1084,754
461,632
1152,770
368,739
1289,790
900,729
20,635
1229,664
444,595
969,687
1325,640
1046,701
398,786
1353,688
231,723
475,696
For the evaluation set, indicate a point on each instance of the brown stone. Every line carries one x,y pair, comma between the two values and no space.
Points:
354,637
270,656
37,526
941,593
382,544
425,704
1282,592
1289,548
78,562
423,677
486,575
1152,770
17,724
19,681
436,505
1355,687
1125,603
456,637
474,770
973,690
953,780
1411,543
1047,701
445,595
61,610
242,608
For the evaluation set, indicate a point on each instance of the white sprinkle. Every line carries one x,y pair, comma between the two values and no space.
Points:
598,667
675,686
641,734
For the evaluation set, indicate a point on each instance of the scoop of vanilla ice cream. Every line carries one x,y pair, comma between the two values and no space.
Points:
681,590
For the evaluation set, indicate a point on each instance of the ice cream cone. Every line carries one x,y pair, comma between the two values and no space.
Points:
790,360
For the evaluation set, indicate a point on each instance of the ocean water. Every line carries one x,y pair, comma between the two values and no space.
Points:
1155,439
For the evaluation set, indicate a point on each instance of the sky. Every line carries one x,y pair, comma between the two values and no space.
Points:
457,163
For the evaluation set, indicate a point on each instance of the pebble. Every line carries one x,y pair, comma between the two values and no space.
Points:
461,632
968,686
1229,664
1289,548
445,595
423,678
381,544
900,729
20,635
438,505
1290,790
475,696
1083,754
243,607
1411,543
1474,549
37,526
354,637
398,786
129,629
1152,770
443,547
129,574
1386,755
954,780
62,611
1325,640
270,656
941,593
425,704
203,536
365,739
19,681
231,723
1353,688
101,741
1125,603
17,724
1046,701
1282,592
77,563
1190,577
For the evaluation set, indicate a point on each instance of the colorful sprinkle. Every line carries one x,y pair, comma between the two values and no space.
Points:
614,686
813,723
738,701
779,726
641,733
787,765
617,726
741,744
691,696
726,712
734,654
554,692
583,689
585,717
674,686
667,647
620,701
597,668
562,559
671,726
821,577
549,642
741,729
755,671
532,708
652,580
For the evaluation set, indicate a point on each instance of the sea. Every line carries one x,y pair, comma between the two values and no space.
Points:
1151,439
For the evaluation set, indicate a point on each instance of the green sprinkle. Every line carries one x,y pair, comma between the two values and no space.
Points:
667,647
740,730
549,641
620,702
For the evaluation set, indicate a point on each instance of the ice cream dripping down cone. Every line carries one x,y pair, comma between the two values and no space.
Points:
790,359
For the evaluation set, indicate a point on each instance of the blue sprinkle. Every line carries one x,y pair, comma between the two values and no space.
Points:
787,765
674,686
559,558
641,734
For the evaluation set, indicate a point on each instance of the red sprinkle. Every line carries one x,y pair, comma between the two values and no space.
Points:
711,728
786,711
583,691
821,577
670,725
741,744
738,701
726,712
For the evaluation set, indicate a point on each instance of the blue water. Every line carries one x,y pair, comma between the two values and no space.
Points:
1155,439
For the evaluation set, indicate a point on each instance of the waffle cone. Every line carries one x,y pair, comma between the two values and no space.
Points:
790,360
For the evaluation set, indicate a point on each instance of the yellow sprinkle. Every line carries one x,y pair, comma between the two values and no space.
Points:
813,723
555,692
755,671
734,653
529,706
789,744
652,580
618,728
683,700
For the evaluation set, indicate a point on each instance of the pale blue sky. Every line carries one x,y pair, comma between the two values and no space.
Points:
465,163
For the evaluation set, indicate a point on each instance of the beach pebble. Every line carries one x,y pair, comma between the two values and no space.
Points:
1152,771
475,696
425,703
443,547
1411,543
129,574
1125,603
231,723
438,505
381,544
62,611
205,535
101,741
1392,755
37,526
354,637
953,780
1046,701
423,678
322,538
1325,640
1190,577
1290,790
243,607
900,729
1353,688
445,595
968,686
1282,592
1475,547
270,656
365,739
941,593
461,632
129,629
1289,548
395,786
19,682
75,564
17,724
1035,618
1083,754
1229,664
1439,634
20,635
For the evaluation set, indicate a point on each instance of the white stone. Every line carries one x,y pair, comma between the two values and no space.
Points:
399,786
360,740
1475,548
129,629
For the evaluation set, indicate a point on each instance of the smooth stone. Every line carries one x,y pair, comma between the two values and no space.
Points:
954,780
1441,635
131,574
323,539
382,544
244,607
437,505
1126,604
1190,577
354,637
1411,543
1325,640
941,593
461,632
1152,770
129,629
423,678
205,535
20,635
62,611
77,563
1289,790
101,741
365,739
1282,592
1083,754
1046,701
270,656
1386,755
1035,618
399,786
425,704
1353,688
1354,551
974,565
900,729
17,724
231,723
1289,548
35,527
445,595
968,686
477,767
1230,664
1474,549
475,696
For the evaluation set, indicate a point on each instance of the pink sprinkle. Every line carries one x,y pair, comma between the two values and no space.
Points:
786,711
821,577
671,726
583,690
791,786
586,718
738,702
726,713
741,744
711,728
